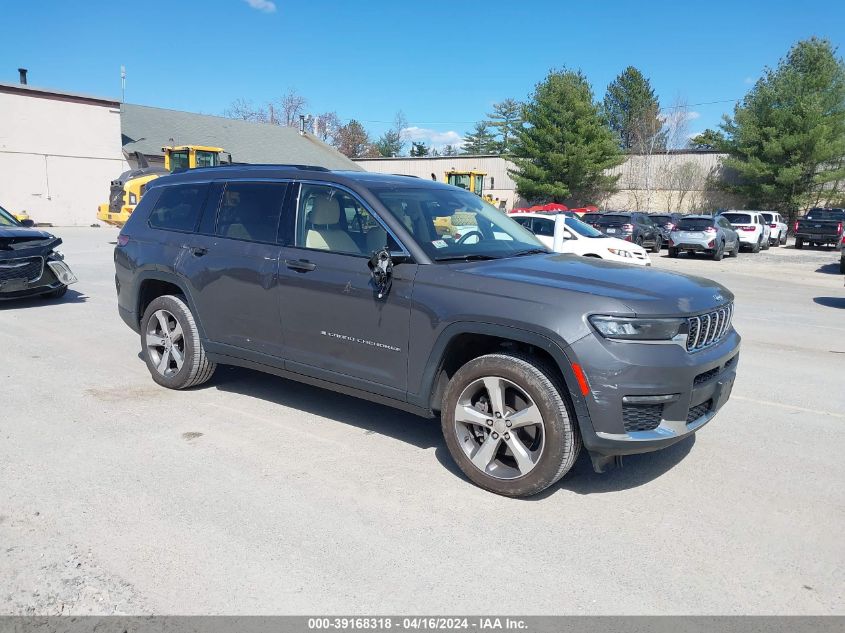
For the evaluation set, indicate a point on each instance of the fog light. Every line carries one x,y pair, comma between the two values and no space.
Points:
62,273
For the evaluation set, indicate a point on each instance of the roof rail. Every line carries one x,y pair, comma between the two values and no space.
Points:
237,165
406,175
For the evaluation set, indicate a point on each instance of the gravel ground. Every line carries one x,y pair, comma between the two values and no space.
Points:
256,495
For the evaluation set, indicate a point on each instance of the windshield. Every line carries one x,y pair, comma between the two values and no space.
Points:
6,218
694,224
613,220
737,218
582,229
450,224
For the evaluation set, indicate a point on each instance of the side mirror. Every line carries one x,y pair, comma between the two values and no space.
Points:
28,223
381,268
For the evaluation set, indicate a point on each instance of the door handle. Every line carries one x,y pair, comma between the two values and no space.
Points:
198,251
301,265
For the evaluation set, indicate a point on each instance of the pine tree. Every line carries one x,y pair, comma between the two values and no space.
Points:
506,118
786,138
481,140
419,149
563,151
633,112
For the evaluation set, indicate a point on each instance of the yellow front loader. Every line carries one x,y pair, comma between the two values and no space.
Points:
128,188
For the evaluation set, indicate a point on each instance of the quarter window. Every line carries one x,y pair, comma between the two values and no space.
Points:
178,207
251,211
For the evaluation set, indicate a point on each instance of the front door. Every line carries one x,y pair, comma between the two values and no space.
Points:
232,266
336,326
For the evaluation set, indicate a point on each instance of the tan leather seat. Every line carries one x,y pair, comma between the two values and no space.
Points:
325,232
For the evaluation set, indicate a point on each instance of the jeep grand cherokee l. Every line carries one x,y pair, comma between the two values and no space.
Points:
340,279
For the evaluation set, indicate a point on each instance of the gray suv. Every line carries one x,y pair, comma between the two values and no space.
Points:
353,281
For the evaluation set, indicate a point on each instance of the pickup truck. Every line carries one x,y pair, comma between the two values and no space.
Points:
820,227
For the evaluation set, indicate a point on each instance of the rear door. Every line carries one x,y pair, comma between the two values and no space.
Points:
336,326
232,266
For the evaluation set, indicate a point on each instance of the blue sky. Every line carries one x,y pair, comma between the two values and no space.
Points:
442,63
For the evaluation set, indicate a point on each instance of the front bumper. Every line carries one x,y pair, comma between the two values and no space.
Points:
33,275
624,376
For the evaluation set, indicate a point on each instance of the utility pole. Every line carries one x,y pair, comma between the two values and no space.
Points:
122,83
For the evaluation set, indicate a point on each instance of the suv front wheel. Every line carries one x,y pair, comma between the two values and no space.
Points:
171,344
508,424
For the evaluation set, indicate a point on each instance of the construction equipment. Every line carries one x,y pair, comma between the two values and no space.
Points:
128,188
472,181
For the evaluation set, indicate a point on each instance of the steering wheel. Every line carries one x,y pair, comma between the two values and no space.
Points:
463,238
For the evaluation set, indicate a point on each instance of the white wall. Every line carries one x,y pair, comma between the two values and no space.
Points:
57,157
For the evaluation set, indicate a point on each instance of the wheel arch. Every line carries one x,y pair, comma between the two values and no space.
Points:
461,342
153,284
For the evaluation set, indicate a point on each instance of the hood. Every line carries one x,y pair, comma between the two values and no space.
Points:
639,290
21,241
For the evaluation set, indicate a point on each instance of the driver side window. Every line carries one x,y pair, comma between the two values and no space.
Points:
330,219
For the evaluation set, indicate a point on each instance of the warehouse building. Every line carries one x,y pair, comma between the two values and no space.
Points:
678,180
58,152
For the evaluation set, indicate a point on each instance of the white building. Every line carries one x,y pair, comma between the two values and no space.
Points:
678,180
58,153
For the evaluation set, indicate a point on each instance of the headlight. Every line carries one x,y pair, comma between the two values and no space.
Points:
635,329
133,199
620,252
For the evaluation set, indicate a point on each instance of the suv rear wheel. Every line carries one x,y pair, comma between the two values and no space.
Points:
171,344
508,424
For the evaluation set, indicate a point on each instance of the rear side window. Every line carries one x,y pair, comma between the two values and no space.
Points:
178,207
544,227
612,220
251,211
694,224
738,218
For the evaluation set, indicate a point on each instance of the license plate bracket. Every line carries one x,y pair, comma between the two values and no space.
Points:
14,285
723,391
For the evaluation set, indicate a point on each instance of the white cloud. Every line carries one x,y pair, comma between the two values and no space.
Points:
677,117
435,138
265,6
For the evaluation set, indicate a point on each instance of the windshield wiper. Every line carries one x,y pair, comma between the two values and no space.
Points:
530,251
472,257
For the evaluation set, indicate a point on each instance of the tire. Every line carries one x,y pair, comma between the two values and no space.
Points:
735,251
783,237
799,243
775,242
842,266
673,252
162,351
639,241
658,244
756,247
719,253
765,244
56,294
524,380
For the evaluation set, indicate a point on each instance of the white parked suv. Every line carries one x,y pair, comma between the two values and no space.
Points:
777,227
566,234
753,230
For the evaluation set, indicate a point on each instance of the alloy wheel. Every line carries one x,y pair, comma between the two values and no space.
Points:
499,427
165,342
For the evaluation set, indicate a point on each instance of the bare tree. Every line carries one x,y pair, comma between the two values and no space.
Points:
245,110
326,126
288,108
682,181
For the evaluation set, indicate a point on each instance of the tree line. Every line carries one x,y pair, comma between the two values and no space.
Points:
785,141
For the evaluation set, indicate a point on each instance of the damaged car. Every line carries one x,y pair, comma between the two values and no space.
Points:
30,265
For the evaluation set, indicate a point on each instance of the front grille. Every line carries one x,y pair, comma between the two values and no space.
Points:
641,417
697,411
707,329
29,268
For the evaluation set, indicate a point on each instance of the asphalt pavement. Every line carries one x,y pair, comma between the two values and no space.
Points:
257,495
